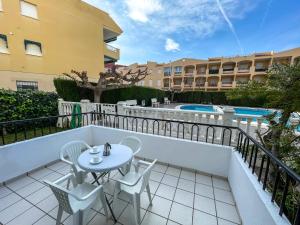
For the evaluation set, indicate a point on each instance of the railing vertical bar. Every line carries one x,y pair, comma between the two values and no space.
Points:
266,173
285,192
261,167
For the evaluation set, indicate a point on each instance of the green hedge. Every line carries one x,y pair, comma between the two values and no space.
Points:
219,98
134,92
19,105
68,90
201,97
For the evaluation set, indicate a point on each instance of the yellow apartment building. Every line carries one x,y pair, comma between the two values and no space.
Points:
213,74
41,39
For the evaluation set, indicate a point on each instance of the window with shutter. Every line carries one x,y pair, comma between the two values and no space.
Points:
3,44
28,9
33,48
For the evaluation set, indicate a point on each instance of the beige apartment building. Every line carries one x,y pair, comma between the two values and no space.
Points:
213,74
41,39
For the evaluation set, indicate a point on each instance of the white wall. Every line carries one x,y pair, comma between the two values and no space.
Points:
254,204
21,157
208,158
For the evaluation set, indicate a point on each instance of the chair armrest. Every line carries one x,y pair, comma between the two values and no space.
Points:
60,180
130,183
64,178
97,189
142,162
66,161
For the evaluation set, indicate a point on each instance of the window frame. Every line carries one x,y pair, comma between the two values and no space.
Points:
34,84
33,43
1,6
4,37
29,3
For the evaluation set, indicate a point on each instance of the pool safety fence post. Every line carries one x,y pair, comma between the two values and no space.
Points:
86,107
227,121
60,112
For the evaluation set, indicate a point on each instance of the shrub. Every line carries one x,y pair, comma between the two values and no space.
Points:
69,91
134,92
19,105
201,97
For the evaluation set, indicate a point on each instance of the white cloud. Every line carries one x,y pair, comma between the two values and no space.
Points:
140,10
171,45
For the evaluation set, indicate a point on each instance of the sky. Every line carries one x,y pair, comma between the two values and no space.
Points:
167,30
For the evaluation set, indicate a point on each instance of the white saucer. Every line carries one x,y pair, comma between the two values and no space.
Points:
96,162
94,150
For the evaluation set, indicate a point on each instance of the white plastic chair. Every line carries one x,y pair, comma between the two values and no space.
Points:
154,102
135,144
167,101
78,200
134,183
73,150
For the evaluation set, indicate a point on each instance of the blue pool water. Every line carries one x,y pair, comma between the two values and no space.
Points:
254,112
238,110
202,108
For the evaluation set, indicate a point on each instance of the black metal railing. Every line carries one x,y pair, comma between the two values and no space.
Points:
273,174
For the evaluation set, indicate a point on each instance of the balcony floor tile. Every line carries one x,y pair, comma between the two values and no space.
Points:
179,196
29,217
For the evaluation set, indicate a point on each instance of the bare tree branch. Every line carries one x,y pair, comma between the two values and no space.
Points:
108,80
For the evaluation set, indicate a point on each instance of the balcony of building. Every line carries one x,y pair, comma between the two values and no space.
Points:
189,70
282,60
110,35
259,77
167,83
177,70
227,82
240,80
111,54
262,66
167,71
228,67
201,69
177,82
215,180
200,82
188,82
244,66
297,60
213,82
213,69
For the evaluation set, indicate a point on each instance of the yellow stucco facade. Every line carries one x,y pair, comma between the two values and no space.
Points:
72,35
213,74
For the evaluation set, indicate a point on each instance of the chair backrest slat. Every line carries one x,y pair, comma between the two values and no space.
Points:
62,197
73,150
132,142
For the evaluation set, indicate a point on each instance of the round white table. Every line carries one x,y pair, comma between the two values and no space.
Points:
119,156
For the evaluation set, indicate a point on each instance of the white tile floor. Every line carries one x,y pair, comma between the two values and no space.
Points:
179,197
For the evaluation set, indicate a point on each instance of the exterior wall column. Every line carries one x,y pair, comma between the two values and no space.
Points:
86,107
60,113
227,121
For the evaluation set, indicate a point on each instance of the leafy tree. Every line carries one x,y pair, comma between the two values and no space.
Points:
282,91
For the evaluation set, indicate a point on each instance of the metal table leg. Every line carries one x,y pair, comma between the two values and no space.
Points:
110,209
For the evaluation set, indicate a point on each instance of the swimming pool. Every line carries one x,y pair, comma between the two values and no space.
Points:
238,110
252,111
201,108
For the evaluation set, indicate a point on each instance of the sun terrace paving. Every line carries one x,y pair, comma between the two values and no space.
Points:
180,196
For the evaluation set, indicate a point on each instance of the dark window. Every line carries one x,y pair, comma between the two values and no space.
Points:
3,43
33,48
27,85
